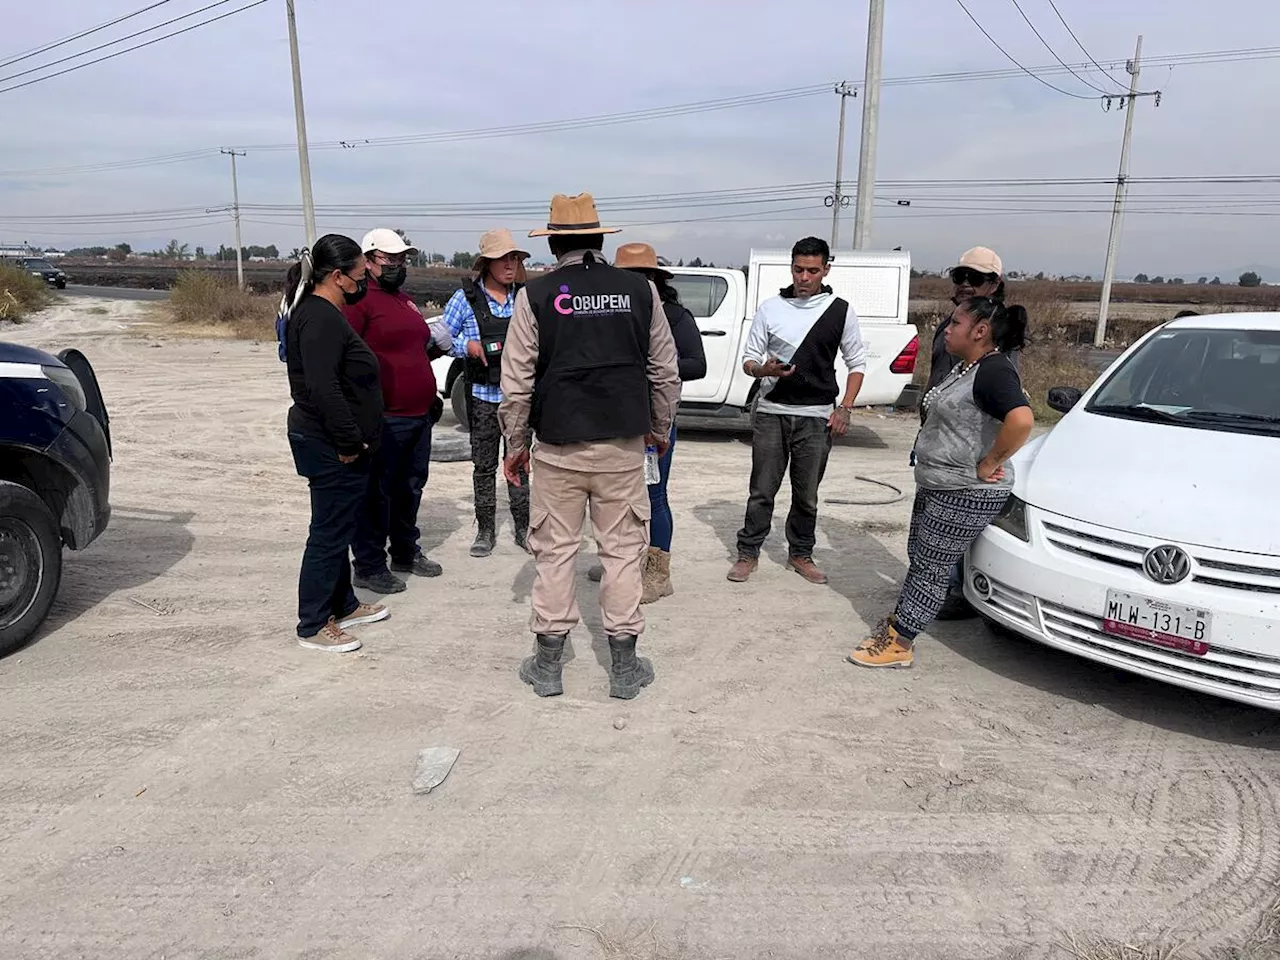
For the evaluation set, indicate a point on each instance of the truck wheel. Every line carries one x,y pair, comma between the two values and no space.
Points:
30,563
458,401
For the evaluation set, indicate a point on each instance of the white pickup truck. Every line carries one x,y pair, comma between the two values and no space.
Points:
723,303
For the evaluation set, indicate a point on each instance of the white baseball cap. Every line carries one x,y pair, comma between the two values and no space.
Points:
386,241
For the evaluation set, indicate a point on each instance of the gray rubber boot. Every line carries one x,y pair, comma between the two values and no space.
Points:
542,670
486,537
628,674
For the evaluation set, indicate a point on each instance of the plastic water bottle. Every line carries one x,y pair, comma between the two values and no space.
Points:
652,472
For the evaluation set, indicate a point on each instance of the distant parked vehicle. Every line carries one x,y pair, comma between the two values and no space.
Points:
55,467
1143,531
42,268
723,303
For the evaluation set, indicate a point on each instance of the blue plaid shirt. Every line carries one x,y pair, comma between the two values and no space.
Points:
460,320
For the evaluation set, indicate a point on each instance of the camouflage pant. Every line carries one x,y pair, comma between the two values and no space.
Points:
486,437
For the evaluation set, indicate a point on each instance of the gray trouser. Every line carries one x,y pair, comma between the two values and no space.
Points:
803,444
486,440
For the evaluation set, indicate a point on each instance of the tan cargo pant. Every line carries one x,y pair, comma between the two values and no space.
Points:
558,502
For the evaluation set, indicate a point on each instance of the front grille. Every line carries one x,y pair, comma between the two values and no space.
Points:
1237,576
1121,550
1221,666
1104,549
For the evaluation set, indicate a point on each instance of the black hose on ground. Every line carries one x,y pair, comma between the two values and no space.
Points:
898,497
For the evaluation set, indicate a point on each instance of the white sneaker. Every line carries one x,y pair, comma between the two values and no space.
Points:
365,613
331,638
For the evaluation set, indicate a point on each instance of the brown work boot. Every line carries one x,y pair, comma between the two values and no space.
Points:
807,569
331,639
657,576
884,648
741,571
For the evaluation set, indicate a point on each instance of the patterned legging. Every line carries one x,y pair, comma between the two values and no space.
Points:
943,525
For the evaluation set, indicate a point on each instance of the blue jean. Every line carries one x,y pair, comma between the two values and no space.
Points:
396,481
337,493
661,523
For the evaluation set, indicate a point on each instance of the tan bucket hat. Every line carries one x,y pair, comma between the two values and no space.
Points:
495,245
573,216
639,256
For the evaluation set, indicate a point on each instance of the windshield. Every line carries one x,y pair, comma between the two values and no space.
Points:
1208,379
39,265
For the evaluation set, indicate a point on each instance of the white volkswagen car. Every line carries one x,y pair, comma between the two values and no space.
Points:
1144,529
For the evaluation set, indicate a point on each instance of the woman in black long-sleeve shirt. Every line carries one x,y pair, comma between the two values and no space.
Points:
641,258
335,424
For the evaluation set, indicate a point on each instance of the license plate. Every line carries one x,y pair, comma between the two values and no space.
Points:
1157,622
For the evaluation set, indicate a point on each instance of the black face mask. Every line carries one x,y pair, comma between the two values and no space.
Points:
392,278
362,287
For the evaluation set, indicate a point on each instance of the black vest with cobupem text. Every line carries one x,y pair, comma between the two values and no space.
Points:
591,381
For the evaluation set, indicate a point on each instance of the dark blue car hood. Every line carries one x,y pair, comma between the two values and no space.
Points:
15,353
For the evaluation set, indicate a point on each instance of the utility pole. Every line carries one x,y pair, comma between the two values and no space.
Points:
235,214
1122,187
870,127
304,158
838,200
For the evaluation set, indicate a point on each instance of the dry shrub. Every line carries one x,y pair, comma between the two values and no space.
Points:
1054,364
21,293
205,300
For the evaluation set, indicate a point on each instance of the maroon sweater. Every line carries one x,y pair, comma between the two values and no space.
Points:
398,336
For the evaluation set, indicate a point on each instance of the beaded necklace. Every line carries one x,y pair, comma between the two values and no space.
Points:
952,378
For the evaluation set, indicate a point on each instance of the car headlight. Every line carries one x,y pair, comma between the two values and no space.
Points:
1013,519
69,383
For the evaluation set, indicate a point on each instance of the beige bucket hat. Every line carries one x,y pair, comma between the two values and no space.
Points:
639,256
573,215
496,244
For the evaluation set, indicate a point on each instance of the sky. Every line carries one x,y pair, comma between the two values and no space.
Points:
401,68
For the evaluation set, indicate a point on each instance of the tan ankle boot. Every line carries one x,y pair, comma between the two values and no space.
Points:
657,576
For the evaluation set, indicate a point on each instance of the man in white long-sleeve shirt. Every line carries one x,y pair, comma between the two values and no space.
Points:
792,349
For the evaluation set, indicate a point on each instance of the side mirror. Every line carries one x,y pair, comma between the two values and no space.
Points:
1063,399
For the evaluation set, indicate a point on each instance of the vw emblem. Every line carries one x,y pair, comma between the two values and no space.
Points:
1166,564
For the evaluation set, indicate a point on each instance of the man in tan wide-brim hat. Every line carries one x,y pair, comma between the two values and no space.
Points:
589,372
477,317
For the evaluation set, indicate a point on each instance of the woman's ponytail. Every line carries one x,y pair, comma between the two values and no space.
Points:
298,282
1009,328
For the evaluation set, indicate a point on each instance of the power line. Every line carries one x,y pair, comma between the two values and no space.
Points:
1054,53
138,46
1105,73
77,36
1202,58
555,126
1009,57
110,43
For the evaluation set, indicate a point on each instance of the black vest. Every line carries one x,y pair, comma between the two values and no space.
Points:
591,381
493,334
814,381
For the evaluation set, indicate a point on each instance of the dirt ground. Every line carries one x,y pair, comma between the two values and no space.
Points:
183,781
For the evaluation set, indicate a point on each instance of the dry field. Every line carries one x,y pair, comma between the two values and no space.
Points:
183,781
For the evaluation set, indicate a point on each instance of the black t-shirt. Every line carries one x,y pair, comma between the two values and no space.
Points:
688,338
333,378
997,388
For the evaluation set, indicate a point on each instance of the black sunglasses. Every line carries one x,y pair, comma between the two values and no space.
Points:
972,277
